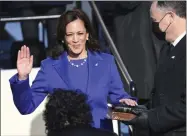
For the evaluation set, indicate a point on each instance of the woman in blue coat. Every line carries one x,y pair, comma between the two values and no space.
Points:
80,66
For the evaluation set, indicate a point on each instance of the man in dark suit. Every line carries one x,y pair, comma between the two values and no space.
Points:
67,113
167,116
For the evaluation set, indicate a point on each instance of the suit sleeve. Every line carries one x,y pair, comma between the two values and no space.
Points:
27,98
116,91
168,117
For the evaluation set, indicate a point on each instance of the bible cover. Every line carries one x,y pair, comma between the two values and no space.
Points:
123,116
124,112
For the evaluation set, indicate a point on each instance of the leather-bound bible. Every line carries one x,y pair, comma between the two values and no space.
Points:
125,113
123,116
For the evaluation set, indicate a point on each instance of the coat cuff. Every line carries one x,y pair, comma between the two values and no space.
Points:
16,84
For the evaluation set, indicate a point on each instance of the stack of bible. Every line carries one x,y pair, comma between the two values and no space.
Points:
124,112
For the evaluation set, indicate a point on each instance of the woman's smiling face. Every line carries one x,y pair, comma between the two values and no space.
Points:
76,36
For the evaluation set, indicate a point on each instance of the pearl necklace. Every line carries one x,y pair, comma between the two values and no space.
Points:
76,65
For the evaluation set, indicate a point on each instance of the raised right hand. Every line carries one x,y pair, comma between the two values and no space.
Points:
24,63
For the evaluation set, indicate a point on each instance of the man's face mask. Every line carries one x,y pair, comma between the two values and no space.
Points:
156,29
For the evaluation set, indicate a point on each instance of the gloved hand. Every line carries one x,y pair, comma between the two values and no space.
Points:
140,120
140,123
137,110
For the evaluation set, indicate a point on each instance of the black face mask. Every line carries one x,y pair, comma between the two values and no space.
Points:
157,32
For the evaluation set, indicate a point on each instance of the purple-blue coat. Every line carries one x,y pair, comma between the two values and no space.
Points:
103,81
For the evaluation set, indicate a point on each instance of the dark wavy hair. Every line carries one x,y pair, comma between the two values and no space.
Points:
66,108
66,18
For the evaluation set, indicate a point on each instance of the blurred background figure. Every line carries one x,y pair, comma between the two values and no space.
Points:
36,8
30,30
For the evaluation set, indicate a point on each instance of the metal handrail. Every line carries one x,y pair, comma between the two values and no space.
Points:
10,19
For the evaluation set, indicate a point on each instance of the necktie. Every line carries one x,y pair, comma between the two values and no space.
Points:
171,47
165,52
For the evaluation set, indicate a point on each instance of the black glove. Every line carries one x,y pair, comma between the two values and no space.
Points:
140,124
140,120
137,110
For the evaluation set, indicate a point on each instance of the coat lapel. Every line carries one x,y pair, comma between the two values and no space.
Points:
180,50
94,69
61,66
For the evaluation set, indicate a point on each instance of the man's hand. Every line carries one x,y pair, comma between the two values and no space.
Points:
140,120
140,124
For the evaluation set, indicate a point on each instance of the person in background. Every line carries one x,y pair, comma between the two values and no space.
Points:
81,65
68,114
167,116
29,28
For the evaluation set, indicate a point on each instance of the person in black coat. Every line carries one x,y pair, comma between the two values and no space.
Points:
68,114
167,116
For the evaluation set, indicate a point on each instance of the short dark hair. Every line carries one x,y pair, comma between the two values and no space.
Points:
66,108
179,7
66,18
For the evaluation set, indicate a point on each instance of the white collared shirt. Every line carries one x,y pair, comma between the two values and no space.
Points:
179,38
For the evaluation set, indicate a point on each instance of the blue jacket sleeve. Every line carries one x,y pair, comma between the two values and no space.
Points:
116,91
27,98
